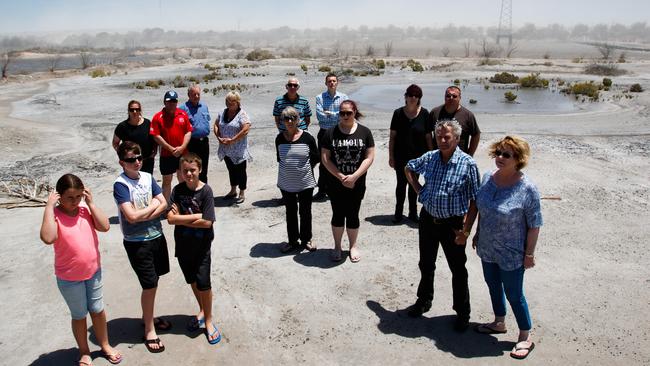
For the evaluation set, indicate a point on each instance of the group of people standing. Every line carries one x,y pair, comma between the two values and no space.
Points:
438,145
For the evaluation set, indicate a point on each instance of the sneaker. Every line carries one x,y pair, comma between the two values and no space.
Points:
461,324
416,310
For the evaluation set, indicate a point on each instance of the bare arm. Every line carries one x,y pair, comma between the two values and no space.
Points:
163,144
531,242
473,144
116,142
308,120
413,180
48,226
363,168
190,220
244,131
154,209
215,128
463,234
429,138
277,122
100,220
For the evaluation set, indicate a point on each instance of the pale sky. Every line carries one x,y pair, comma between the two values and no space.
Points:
39,16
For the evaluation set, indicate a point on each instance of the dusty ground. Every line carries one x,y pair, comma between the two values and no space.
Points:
588,293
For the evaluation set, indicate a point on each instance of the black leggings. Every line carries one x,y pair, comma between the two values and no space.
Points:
236,173
400,193
346,203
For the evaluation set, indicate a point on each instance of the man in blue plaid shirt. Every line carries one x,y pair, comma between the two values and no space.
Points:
451,184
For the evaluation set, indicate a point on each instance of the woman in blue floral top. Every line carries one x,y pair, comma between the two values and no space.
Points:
510,216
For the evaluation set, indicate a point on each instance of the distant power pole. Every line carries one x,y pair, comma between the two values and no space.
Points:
505,21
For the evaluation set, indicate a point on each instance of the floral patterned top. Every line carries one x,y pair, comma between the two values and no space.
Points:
237,152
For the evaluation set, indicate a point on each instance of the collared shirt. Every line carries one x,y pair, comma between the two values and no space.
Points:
172,130
325,102
199,117
448,187
301,104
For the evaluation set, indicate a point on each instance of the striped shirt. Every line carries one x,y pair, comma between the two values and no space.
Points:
326,103
448,187
296,161
301,104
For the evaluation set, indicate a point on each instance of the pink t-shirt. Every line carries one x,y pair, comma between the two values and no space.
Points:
76,250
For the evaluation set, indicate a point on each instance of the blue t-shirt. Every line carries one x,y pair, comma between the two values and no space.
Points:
139,192
506,214
199,118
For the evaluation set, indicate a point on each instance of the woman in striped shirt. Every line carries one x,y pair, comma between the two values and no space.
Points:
297,154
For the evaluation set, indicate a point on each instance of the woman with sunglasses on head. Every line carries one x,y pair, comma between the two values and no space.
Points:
347,151
410,137
297,153
136,129
510,216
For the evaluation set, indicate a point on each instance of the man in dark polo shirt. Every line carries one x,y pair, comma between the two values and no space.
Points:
451,184
199,116
292,99
171,128
452,109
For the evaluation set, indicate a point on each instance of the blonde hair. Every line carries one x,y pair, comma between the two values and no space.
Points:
519,147
233,95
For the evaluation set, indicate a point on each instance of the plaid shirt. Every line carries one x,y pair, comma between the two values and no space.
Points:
325,102
448,187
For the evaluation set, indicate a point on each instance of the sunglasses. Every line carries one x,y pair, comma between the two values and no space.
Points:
133,110
133,159
345,113
291,85
411,96
503,154
289,119
452,96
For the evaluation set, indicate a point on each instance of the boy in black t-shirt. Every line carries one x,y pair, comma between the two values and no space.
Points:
192,211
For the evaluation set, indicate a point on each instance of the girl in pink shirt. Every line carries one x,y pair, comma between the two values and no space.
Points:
71,226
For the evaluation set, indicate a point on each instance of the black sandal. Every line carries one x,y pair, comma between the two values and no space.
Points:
149,342
290,247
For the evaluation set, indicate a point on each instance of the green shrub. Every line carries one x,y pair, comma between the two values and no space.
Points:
636,88
414,65
324,68
152,84
304,68
607,82
588,88
504,78
98,73
456,81
380,64
533,81
510,96
259,55
604,69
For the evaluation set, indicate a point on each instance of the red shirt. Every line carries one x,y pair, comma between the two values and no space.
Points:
172,130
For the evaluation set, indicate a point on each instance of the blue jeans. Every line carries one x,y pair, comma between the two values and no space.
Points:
507,284
83,296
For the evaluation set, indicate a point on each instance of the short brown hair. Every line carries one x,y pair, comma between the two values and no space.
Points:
190,158
128,147
519,147
68,181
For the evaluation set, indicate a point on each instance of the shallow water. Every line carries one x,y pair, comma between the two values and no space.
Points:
529,101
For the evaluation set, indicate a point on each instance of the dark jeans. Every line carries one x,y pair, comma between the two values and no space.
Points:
236,173
433,233
298,202
322,171
201,147
400,193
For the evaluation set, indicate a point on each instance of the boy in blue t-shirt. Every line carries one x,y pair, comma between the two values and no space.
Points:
192,211
140,202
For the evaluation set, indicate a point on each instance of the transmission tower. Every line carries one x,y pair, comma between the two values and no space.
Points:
505,21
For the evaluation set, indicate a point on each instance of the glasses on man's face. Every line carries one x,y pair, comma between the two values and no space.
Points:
292,85
503,154
133,110
451,96
289,119
133,159
345,113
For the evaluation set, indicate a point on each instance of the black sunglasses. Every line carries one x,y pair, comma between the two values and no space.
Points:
452,96
291,85
134,110
289,119
412,95
345,113
133,159
503,154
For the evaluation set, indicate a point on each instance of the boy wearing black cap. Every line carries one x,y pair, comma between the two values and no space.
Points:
172,130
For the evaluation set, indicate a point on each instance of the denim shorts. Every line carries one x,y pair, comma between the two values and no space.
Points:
83,296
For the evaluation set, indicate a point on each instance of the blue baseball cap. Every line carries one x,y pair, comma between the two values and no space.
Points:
171,95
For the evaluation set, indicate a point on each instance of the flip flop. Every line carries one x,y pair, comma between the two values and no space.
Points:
149,342
230,196
161,324
195,324
336,256
355,259
114,358
216,330
527,346
487,329
80,362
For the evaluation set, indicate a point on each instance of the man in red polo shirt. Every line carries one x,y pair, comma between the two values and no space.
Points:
172,130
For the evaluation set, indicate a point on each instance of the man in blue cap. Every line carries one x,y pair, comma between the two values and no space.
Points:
172,130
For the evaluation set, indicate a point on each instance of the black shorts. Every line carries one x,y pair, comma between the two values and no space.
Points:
169,164
195,259
149,259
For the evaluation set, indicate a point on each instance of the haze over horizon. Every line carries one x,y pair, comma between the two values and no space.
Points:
60,16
